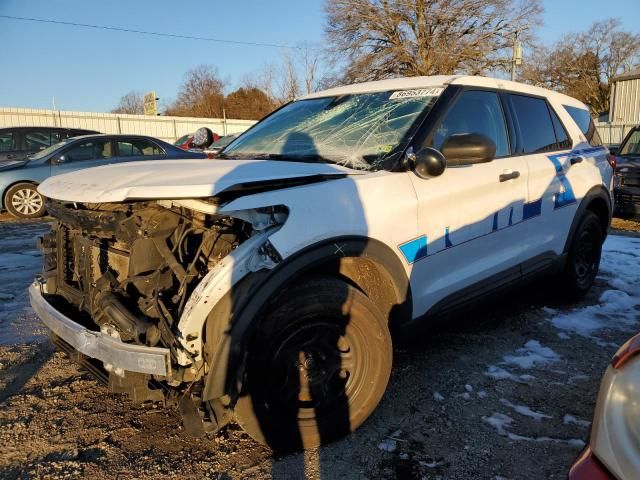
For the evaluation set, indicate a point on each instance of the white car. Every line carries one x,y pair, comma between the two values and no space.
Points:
264,286
613,451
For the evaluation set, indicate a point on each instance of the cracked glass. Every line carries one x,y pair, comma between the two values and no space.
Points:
364,131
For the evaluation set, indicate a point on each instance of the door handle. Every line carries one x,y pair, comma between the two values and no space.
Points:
575,160
10,157
509,176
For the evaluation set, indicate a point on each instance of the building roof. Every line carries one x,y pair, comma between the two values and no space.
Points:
441,81
630,75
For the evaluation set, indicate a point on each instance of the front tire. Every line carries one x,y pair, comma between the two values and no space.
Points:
318,366
23,201
583,260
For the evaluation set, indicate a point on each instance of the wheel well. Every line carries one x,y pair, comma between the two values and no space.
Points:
601,209
372,279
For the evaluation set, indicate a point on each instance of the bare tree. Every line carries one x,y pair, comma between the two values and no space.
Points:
201,94
310,65
582,64
131,102
385,38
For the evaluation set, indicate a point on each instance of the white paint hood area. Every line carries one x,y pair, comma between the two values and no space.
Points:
174,179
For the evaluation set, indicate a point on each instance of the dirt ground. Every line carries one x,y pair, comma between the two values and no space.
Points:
502,393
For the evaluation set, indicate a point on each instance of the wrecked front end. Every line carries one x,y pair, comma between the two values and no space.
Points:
117,281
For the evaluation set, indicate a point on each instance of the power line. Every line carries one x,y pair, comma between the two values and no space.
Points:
157,34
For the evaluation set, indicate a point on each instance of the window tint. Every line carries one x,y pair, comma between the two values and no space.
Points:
561,134
632,145
40,139
7,142
138,147
585,123
535,124
95,150
475,112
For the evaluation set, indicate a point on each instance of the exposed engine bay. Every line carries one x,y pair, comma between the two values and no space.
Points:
128,269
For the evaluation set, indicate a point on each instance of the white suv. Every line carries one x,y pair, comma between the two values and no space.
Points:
263,285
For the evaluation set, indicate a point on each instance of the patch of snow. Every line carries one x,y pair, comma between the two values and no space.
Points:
532,354
502,422
438,397
570,419
468,388
431,463
524,410
464,396
499,373
617,308
388,445
564,336
481,394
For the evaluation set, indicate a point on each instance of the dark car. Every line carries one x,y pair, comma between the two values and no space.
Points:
627,178
19,178
18,142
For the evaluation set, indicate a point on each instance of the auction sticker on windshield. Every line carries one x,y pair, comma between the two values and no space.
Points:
418,92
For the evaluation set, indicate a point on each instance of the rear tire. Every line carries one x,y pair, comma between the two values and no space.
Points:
318,366
23,201
583,260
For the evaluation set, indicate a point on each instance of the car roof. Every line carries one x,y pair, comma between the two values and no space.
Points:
47,127
114,136
405,83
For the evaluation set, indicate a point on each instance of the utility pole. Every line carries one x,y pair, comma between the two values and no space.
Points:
516,55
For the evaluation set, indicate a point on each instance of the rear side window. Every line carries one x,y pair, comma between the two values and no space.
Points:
535,124
585,123
40,139
7,142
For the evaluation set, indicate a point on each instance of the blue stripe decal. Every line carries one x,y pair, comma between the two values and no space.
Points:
414,250
566,196
447,240
531,209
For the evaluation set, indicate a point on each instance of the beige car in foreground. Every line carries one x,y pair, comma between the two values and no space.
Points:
614,449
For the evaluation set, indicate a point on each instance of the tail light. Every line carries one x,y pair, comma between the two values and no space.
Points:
625,352
612,160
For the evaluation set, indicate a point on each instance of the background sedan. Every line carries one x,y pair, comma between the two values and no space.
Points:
19,179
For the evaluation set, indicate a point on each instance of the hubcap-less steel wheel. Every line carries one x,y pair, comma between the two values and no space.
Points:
27,201
318,365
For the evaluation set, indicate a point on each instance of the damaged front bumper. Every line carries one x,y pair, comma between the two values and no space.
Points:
116,355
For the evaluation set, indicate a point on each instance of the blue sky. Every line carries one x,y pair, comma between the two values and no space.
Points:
88,69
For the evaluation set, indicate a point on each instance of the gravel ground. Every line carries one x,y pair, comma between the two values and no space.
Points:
505,392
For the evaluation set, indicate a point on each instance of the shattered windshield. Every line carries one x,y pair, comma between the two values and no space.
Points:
363,131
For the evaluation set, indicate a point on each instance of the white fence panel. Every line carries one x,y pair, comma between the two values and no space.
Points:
613,133
165,128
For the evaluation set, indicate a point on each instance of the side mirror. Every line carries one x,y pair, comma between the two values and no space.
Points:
427,163
613,150
58,159
468,148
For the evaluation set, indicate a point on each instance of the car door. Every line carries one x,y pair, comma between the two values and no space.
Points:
83,154
468,215
544,143
135,149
